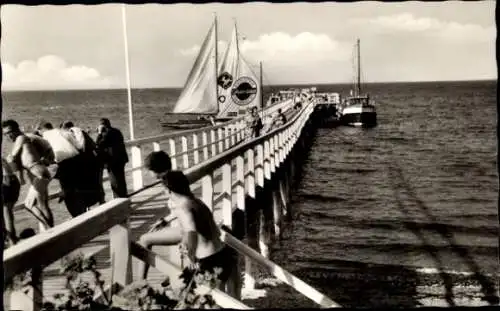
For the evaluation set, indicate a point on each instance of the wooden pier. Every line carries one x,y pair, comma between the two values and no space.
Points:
245,182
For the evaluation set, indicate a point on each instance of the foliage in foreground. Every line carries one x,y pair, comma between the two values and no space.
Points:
183,294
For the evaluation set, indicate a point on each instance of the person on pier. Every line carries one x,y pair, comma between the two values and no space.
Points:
278,120
113,154
91,177
197,234
254,123
27,157
10,194
69,166
158,163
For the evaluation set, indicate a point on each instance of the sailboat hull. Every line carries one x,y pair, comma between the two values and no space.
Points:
180,121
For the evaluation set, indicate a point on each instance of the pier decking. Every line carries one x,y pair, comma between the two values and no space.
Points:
225,169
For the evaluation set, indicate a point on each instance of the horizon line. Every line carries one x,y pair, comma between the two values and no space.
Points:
268,85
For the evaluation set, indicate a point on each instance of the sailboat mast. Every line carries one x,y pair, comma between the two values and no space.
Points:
358,86
237,39
216,64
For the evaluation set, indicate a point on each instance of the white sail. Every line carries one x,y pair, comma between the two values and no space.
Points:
239,87
199,93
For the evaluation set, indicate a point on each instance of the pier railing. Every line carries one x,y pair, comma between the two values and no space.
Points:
242,169
186,148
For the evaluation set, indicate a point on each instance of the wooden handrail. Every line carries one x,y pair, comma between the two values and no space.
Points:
168,268
196,172
48,246
280,273
162,137
114,215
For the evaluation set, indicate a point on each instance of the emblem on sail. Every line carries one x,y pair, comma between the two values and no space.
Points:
244,91
225,80
238,87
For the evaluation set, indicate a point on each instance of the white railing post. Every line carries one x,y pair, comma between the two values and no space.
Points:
238,132
137,162
207,191
220,138
280,148
267,165
240,204
250,173
213,143
119,246
243,126
196,153
277,150
272,152
185,155
259,169
233,134
227,133
156,146
288,140
240,182
171,143
227,191
204,142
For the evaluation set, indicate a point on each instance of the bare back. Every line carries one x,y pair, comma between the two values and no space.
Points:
29,157
209,241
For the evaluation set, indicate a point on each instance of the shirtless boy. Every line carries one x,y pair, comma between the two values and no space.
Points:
25,157
198,232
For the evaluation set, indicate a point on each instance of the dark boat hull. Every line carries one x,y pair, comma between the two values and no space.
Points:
362,119
189,121
181,121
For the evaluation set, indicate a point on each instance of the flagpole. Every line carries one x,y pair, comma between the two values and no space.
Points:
127,73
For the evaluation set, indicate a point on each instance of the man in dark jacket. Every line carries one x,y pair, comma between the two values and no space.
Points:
113,154
91,181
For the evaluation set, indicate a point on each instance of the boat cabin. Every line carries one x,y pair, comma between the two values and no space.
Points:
363,100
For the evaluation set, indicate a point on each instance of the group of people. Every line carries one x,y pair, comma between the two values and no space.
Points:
255,125
78,161
68,154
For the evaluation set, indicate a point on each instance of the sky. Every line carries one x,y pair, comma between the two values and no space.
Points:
82,47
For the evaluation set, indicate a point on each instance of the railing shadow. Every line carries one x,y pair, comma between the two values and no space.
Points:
360,285
487,286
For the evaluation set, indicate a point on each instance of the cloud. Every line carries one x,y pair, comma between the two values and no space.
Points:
290,58
406,22
51,72
284,49
190,51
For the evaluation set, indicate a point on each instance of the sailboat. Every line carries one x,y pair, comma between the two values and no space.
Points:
214,93
197,102
357,110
